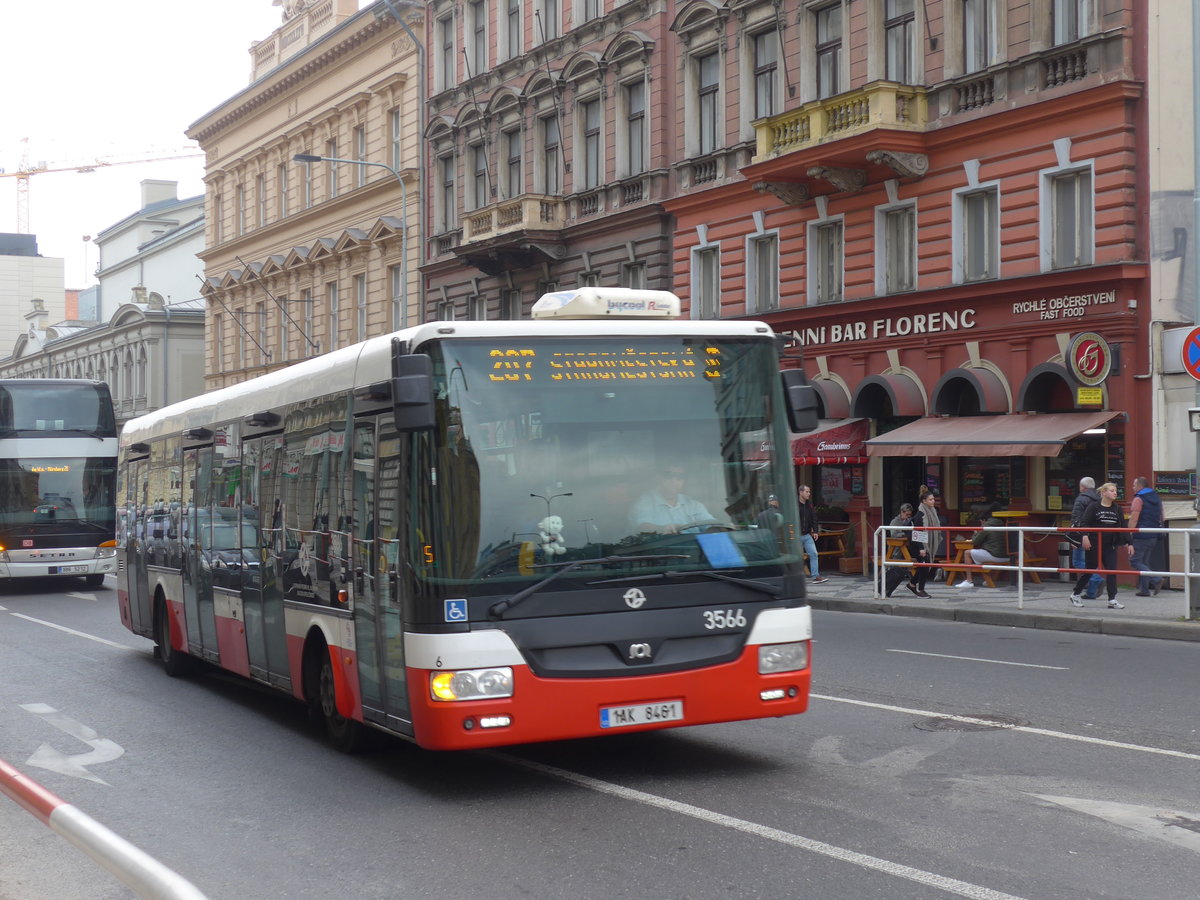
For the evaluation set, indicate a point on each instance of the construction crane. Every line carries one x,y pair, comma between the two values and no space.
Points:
25,170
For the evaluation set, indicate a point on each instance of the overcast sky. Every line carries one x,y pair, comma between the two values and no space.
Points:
122,79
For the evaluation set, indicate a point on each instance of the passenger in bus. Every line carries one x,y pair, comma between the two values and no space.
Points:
665,509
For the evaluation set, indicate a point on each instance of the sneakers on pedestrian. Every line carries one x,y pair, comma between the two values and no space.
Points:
1113,604
913,588
819,580
965,583
1155,587
923,595
1076,600
1142,594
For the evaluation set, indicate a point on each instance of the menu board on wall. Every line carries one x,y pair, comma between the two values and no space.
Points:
1176,483
1114,462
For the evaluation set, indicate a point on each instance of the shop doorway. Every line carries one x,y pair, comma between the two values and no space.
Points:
902,478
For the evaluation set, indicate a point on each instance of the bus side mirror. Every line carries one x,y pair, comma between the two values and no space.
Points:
412,392
801,398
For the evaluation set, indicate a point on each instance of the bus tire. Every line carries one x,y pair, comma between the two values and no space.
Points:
175,663
96,580
344,734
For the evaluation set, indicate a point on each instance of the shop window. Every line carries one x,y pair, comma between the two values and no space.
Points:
984,480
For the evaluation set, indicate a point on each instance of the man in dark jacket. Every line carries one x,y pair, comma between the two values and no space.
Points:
1086,497
1146,511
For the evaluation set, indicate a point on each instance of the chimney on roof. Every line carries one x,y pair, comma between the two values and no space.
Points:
139,294
158,191
37,317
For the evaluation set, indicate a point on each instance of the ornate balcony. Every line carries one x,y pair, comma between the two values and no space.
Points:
879,105
513,233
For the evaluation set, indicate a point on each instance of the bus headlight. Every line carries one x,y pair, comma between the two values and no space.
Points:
471,684
106,550
782,657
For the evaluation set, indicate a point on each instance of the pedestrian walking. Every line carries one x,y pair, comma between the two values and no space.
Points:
924,541
1087,495
1101,547
808,534
1146,511
893,575
988,546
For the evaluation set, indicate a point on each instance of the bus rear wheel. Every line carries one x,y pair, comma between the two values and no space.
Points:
175,663
344,734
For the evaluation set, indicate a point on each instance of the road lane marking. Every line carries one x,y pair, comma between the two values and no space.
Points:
46,757
928,879
82,634
1001,726
998,662
1175,826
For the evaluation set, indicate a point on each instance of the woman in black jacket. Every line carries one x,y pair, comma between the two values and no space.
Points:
1102,514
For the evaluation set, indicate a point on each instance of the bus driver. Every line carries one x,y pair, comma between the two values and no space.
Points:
665,510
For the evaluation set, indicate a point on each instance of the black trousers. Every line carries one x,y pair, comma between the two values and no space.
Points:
1109,557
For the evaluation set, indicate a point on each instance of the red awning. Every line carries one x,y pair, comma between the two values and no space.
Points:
1018,434
834,442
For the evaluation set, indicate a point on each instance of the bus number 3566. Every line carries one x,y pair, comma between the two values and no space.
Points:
724,618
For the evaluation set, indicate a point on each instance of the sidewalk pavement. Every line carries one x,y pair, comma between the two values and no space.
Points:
1045,605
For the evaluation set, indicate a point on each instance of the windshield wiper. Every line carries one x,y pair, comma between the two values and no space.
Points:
753,585
497,609
89,433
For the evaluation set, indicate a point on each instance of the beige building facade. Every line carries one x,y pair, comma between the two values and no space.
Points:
305,257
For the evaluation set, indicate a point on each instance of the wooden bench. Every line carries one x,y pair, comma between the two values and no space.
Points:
961,557
897,548
835,544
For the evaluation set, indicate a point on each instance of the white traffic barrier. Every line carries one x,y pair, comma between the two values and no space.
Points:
145,875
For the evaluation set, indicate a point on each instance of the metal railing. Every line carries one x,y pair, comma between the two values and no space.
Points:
1018,559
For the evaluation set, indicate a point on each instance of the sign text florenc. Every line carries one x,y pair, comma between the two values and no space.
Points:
889,327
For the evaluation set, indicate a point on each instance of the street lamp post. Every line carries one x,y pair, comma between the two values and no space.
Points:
313,158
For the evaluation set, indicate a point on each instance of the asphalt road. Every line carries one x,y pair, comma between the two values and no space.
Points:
938,759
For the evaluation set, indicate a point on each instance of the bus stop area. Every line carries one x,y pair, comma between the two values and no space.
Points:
1045,605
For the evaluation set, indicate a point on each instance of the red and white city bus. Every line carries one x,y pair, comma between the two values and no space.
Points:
442,534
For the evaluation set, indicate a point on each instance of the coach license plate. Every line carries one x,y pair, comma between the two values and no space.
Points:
641,714
68,570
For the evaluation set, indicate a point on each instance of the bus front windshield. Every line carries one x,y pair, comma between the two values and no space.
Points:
57,495
652,452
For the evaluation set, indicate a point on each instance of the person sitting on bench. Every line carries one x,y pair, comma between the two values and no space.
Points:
988,545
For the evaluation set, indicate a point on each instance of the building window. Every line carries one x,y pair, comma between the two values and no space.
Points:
283,329
896,249
590,122
550,174
331,172
260,319
241,211
444,60
477,308
218,218
1072,19
1071,237
308,184
218,346
708,89
825,261
394,124
260,197
977,38
635,127
445,311
510,305
766,72
306,318
360,305
762,275
476,30
512,28
978,233
514,183
633,275
331,305
281,190
360,152
479,177
706,283
829,50
399,307
547,14
900,41
446,195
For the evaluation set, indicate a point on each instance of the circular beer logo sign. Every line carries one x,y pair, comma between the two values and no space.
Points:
1089,358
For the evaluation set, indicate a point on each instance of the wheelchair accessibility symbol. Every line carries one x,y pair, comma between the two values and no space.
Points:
456,610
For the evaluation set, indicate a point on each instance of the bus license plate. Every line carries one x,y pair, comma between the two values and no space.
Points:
68,570
641,714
